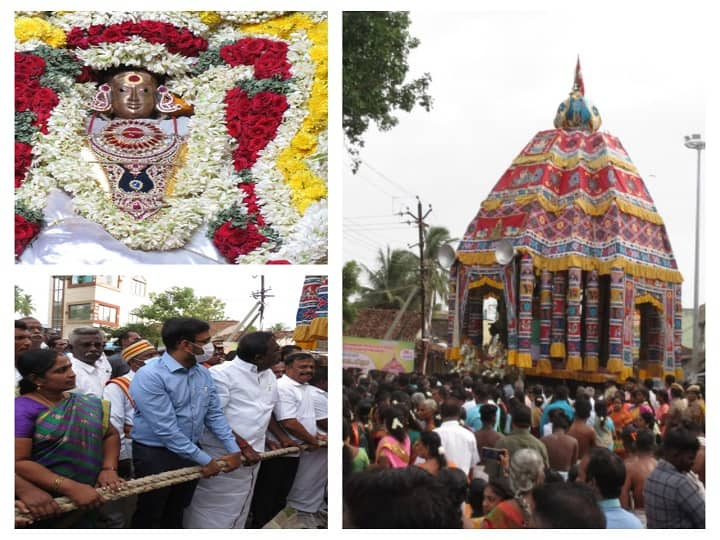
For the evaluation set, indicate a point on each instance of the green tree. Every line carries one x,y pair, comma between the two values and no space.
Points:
278,327
23,302
376,45
351,287
436,277
393,281
180,302
149,331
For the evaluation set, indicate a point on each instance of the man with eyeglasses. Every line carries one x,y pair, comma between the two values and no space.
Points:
175,401
91,367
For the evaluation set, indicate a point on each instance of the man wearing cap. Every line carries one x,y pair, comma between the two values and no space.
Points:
122,410
117,362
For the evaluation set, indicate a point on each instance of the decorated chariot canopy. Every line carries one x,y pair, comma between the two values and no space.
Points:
171,137
592,288
312,314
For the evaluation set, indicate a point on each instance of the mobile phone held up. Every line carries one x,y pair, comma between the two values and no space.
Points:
491,453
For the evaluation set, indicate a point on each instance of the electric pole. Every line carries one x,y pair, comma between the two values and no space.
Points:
419,220
261,295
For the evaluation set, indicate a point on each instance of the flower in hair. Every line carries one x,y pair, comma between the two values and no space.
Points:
396,423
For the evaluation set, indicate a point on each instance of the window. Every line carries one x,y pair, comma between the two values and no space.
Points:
82,280
138,287
79,312
106,314
110,281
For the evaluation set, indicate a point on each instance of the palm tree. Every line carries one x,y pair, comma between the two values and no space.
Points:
351,286
23,302
436,277
394,280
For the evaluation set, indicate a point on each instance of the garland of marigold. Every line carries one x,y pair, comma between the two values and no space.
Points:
305,185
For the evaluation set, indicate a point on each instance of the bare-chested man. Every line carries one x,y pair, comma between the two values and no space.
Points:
562,449
638,465
580,429
486,436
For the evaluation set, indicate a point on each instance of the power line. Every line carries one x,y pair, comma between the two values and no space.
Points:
386,178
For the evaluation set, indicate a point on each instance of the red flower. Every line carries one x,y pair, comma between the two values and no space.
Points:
113,34
25,231
235,241
87,75
181,41
28,66
270,64
23,159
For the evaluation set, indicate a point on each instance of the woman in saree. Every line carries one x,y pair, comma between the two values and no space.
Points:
64,443
393,450
527,470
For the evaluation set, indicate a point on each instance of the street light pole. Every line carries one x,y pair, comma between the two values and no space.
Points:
696,142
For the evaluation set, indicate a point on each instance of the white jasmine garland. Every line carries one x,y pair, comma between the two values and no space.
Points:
249,17
273,193
135,52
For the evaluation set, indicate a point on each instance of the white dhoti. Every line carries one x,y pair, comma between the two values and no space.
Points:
223,501
308,490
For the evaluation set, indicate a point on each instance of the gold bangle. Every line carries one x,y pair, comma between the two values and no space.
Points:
58,482
109,469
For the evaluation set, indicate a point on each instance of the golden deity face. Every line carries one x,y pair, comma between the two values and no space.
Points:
133,94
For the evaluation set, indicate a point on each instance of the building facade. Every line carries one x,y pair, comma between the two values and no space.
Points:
77,301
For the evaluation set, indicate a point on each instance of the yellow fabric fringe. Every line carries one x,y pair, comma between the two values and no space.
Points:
524,360
585,263
615,365
543,366
650,299
557,350
512,357
574,363
486,281
306,335
592,363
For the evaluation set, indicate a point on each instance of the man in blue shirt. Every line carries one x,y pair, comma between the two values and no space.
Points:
605,472
175,400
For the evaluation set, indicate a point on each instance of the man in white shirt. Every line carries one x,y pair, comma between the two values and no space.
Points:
458,442
295,413
91,367
247,390
308,491
122,409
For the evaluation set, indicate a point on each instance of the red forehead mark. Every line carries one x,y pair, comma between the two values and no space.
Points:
134,78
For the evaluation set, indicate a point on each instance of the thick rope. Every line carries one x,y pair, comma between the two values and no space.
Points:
159,481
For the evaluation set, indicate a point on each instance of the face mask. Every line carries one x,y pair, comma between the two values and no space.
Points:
208,350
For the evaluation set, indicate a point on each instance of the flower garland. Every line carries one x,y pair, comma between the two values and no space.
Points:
241,123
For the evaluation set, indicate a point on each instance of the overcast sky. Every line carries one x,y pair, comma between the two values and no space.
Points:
233,286
498,78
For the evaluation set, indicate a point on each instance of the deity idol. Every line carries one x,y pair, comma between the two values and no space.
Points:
137,149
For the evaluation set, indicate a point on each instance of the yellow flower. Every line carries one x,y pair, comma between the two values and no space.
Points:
27,28
211,18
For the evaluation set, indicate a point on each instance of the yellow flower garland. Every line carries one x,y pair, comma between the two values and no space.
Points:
27,28
306,187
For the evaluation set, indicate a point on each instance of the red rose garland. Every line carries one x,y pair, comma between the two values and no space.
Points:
269,58
177,40
23,158
253,123
30,96
25,231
